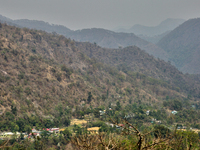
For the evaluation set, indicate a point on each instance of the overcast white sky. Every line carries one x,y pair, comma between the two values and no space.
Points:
78,14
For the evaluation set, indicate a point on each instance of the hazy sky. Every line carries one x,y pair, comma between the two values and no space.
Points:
78,14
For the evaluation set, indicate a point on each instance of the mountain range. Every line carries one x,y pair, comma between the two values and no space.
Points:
151,31
35,24
102,37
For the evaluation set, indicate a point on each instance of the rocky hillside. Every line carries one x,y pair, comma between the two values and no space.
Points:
183,46
41,72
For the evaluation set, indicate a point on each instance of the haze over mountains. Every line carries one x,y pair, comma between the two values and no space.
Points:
35,24
183,46
153,39
153,33
110,39
102,37
165,26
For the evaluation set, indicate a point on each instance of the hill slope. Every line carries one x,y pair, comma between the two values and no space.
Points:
182,45
134,59
39,71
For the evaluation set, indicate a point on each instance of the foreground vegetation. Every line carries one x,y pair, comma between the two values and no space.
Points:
125,137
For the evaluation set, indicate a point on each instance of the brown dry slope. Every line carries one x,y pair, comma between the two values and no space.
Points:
41,71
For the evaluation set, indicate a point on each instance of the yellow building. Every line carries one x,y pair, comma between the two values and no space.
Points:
93,130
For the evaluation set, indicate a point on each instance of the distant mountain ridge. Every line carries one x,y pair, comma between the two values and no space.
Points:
153,39
35,24
110,39
166,25
102,37
41,25
183,46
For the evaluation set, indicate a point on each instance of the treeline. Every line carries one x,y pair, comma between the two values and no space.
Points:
11,122
126,137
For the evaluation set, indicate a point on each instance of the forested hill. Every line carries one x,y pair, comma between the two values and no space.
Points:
183,46
48,75
134,59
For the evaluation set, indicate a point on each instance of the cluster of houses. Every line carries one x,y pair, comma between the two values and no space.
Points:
51,130
174,112
153,120
119,126
9,135
102,112
37,132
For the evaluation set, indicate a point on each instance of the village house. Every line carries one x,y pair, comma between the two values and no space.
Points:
174,112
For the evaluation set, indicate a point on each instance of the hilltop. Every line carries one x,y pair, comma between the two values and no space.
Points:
182,45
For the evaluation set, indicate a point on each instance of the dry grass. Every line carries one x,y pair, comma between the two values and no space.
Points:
78,122
93,129
63,129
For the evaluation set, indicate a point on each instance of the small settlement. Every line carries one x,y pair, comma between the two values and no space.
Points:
9,135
